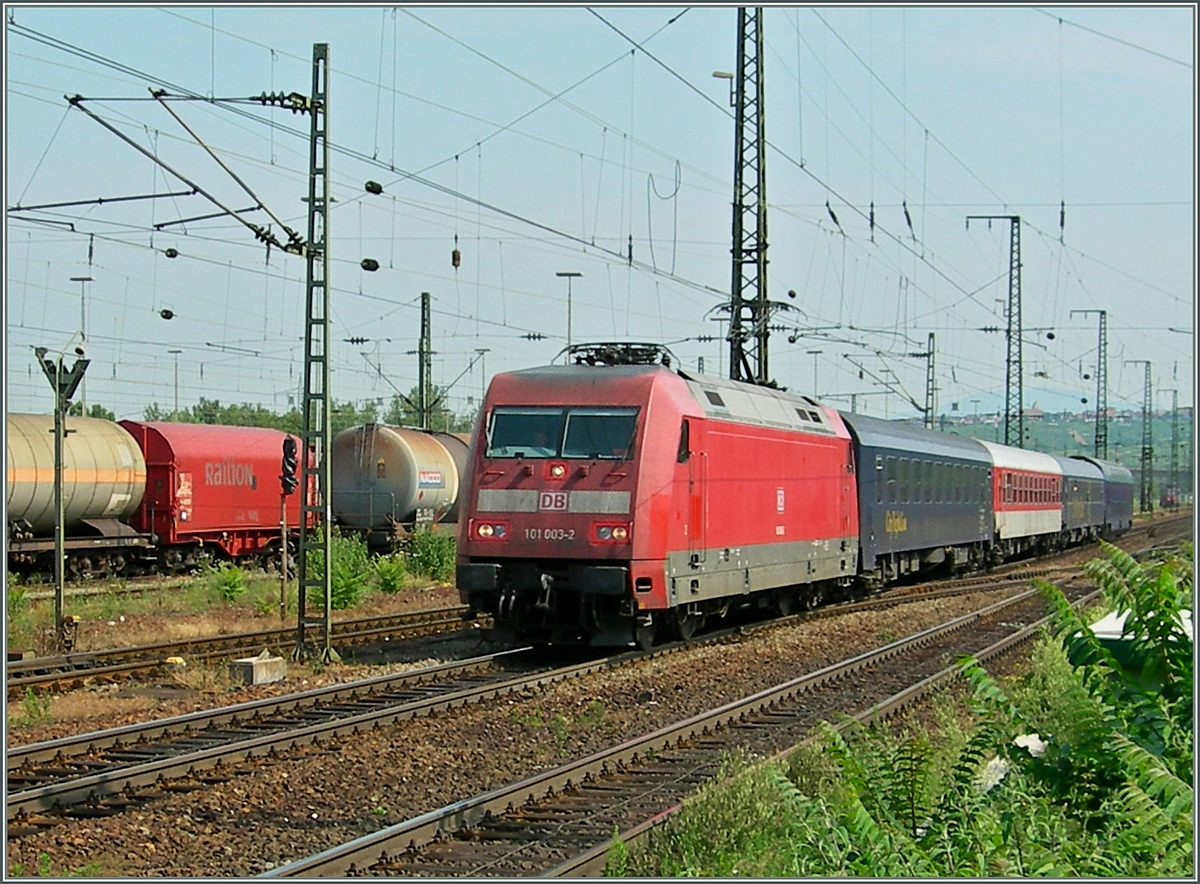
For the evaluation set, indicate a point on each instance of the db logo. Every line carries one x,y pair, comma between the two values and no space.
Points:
552,500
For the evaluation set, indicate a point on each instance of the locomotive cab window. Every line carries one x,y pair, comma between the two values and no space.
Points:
529,432
525,432
604,433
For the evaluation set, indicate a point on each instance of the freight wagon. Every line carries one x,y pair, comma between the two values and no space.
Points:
143,495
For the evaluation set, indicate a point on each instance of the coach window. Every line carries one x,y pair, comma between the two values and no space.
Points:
903,480
891,479
879,478
929,481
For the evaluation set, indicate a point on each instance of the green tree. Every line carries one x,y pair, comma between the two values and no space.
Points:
402,412
96,411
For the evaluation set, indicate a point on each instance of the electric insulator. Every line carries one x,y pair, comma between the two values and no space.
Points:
171,253
374,187
166,314
369,264
455,258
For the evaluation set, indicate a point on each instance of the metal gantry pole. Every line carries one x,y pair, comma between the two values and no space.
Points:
930,389
1014,388
316,433
1145,498
748,304
1175,449
1101,444
425,366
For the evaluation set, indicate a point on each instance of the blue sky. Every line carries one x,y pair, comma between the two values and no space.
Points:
539,142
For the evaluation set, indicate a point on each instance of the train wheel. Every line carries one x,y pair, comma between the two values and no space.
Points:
688,623
785,602
643,633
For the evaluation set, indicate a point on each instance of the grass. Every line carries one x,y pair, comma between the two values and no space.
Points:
182,608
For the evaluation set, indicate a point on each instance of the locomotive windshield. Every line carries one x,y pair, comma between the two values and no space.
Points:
599,433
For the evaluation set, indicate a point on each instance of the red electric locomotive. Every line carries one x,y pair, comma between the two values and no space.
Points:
615,499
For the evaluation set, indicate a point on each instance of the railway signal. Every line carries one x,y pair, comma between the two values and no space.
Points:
287,479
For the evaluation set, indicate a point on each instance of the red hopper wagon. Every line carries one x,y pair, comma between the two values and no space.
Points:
211,486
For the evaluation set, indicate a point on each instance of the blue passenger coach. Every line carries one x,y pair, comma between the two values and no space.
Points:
1082,500
924,499
1118,494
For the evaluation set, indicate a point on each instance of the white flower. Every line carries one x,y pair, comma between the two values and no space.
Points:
991,774
1033,743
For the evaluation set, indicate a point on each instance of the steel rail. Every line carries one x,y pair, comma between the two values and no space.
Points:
592,862
375,851
111,662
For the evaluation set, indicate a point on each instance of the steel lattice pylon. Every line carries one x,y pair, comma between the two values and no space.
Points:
1101,445
1014,385
749,312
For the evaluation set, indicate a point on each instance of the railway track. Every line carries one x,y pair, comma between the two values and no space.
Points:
71,670
562,822
105,772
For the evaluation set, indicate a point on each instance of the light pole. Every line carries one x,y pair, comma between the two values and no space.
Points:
176,353
64,384
569,274
83,281
814,354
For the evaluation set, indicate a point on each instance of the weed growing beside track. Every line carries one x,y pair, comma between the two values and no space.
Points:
1078,767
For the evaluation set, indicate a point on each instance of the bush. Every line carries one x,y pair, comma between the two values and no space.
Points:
432,554
390,573
349,568
1085,770
229,581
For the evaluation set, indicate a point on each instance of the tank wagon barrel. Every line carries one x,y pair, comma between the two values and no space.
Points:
386,480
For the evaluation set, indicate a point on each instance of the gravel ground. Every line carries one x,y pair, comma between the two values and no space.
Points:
272,811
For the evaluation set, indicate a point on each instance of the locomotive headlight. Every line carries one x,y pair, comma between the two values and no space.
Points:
490,530
558,471
610,533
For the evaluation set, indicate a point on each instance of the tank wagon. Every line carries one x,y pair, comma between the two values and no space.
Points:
615,500
104,477
143,495
388,480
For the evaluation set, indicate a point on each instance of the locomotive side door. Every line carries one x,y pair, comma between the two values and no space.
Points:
692,452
